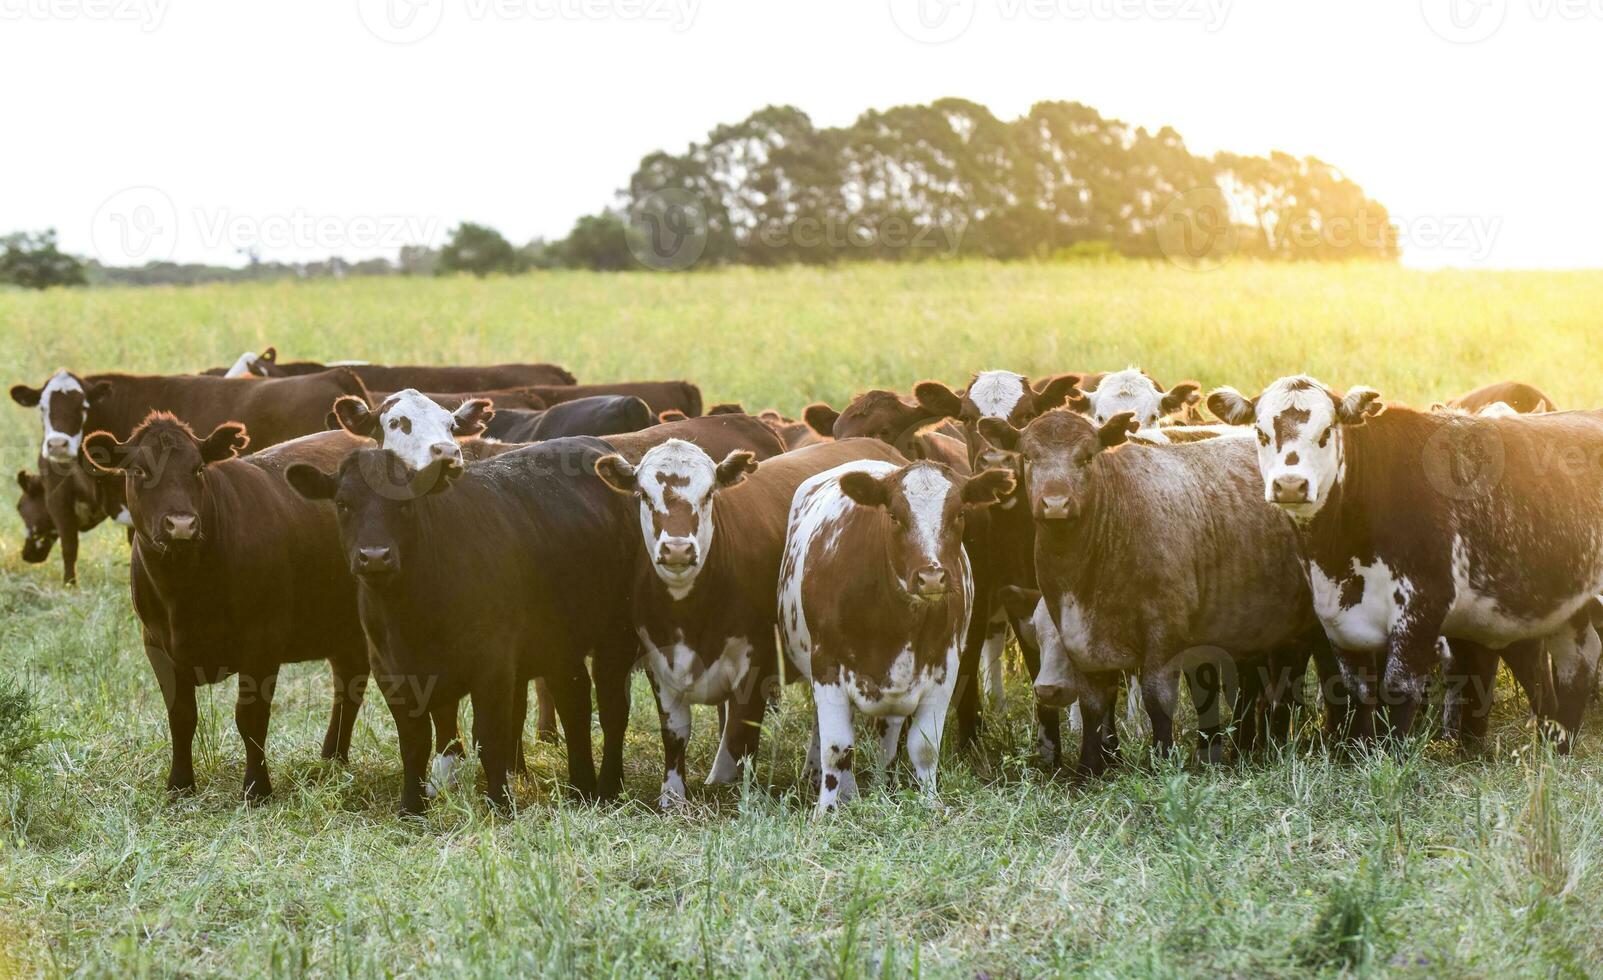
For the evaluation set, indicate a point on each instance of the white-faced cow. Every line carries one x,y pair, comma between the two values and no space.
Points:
1134,391
875,594
706,580
1143,573
232,573
415,427
1488,531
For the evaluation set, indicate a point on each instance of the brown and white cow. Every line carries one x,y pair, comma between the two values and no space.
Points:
1522,398
1142,573
233,573
706,580
875,594
1133,390
1488,531
416,427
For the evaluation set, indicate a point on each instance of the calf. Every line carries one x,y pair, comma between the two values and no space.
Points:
477,581
1222,592
660,396
234,574
875,594
597,415
705,583
1488,531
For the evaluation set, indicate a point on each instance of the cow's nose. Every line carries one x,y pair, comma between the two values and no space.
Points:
1291,490
179,527
677,553
444,450
1053,695
56,445
1055,508
930,581
374,560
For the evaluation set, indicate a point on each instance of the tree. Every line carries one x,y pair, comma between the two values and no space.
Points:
596,242
34,262
478,249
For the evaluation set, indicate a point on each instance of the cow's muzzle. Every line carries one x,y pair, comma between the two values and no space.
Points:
1054,695
379,562
677,556
1056,508
1289,490
931,583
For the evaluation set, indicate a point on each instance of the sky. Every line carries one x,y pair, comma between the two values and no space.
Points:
197,129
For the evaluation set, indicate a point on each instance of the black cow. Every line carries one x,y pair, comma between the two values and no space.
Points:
597,415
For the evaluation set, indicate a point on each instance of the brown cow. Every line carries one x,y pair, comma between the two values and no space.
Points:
380,377
705,583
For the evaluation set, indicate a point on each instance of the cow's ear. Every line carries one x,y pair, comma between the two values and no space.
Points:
671,415
25,396
1230,408
226,441
31,485
1000,433
103,452
97,391
865,489
1358,406
356,417
735,468
1056,391
1117,429
821,418
471,417
1183,394
616,473
311,482
331,421
727,408
938,399
1019,602
988,487
268,356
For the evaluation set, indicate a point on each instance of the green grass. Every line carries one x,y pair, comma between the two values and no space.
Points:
1422,862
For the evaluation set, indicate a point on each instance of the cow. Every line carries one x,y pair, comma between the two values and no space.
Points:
1002,554
1522,398
71,405
1133,390
705,583
597,415
415,426
891,418
1415,525
233,574
793,433
477,580
875,594
1141,572
381,377
717,435
75,507
660,396
501,398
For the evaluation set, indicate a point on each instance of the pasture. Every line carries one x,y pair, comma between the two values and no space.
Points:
1420,861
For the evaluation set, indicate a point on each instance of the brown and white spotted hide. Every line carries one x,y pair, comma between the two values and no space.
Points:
414,427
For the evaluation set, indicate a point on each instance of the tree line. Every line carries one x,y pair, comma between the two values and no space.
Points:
913,182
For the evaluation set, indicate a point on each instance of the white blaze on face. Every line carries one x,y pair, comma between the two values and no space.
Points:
997,393
415,428
1127,391
1298,439
242,367
57,445
926,489
677,476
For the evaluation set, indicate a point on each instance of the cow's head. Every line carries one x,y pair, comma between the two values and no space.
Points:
63,405
1055,453
995,394
879,414
253,365
675,484
1299,423
414,427
925,504
36,522
375,497
1132,391
163,465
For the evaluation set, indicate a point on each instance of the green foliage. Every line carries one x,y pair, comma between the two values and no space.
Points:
477,249
21,730
34,262
596,242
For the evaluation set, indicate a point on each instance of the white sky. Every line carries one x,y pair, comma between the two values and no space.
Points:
292,124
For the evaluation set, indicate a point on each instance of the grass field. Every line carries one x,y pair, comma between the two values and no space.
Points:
1419,862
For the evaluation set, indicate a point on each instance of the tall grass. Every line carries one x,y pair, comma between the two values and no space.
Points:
1424,862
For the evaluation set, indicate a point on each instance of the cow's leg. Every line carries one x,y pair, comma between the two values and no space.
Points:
745,706
1048,721
350,687
1252,688
1527,661
65,517
1470,680
570,692
924,737
449,754
814,767
1359,683
493,733
1287,675
612,709
412,730
1097,697
890,739
252,709
993,661
520,715
545,724
836,740
1160,694
178,692
1206,681
673,712
1411,654
968,688
1573,651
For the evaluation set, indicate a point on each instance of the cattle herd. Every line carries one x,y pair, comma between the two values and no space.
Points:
457,532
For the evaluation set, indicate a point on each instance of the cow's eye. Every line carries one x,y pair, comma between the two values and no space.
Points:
200,470
395,423
1324,437
1263,437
